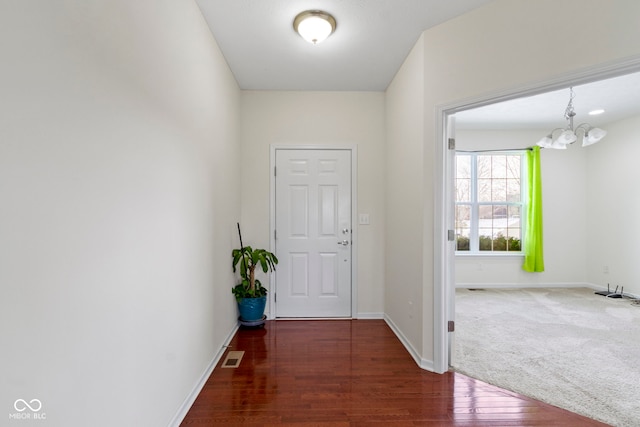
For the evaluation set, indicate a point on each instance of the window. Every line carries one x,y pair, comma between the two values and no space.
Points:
489,202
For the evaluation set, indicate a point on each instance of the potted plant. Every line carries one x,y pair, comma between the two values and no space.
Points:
250,294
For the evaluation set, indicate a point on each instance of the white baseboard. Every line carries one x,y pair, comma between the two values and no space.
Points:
370,316
523,285
191,398
425,364
540,285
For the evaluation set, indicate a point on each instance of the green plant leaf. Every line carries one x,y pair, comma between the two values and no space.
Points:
248,259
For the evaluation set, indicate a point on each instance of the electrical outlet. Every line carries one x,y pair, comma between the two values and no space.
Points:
605,269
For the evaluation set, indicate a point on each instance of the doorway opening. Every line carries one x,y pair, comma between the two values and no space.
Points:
445,277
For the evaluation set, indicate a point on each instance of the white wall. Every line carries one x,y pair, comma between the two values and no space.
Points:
319,118
118,133
612,206
405,198
564,202
481,53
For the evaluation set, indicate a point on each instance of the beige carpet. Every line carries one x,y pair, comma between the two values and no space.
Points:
567,347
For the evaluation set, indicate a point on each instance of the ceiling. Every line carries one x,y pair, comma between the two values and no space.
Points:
371,41
619,97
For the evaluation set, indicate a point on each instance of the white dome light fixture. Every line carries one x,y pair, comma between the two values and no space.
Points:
314,25
569,134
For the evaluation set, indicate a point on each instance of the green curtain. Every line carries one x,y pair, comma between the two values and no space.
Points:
533,256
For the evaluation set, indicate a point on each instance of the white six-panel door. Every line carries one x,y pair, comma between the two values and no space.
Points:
313,233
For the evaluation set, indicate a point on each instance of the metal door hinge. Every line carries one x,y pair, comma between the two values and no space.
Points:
452,143
451,235
451,326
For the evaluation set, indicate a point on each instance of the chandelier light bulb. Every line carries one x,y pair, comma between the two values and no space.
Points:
567,137
592,136
545,142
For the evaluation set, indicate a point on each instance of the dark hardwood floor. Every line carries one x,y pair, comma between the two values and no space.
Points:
352,373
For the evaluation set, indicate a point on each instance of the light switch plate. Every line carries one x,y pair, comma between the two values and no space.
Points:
363,219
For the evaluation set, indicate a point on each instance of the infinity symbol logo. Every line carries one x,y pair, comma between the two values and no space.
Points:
22,405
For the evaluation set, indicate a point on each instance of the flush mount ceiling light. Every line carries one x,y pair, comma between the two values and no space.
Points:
314,25
569,135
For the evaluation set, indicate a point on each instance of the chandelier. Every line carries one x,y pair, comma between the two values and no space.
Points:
568,135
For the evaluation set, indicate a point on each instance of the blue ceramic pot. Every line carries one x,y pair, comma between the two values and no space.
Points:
252,309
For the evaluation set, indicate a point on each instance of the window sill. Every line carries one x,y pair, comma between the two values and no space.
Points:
490,254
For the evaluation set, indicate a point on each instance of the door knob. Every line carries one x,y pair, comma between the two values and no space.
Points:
344,243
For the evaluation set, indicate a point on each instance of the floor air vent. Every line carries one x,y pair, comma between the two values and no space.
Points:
233,359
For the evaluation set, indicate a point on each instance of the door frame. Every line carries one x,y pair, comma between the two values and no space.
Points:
354,215
444,267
